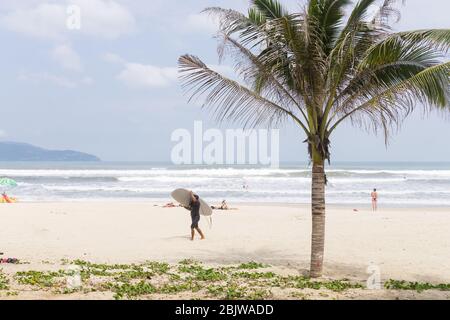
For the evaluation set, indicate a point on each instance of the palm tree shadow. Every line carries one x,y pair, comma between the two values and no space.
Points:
274,258
281,259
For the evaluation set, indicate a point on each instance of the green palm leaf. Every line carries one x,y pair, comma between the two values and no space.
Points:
228,99
270,9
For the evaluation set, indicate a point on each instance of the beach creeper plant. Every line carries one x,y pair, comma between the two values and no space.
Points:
330,62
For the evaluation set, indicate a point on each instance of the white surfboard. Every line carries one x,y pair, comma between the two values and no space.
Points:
183,196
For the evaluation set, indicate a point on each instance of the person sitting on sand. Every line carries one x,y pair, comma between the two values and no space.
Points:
170,205
223,206
374,196
195,216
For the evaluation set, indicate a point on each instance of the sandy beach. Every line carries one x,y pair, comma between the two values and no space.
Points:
405,244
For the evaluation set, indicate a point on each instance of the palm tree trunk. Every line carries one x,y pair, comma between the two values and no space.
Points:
318,218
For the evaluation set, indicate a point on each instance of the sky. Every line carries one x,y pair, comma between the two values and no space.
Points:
110,86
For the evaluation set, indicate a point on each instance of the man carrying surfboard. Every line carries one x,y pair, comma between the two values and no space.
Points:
195,215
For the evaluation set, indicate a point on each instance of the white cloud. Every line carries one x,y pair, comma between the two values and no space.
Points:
103,18
45,77
146,75
46,20
202,22
2,134
39,78
113,58
140,75
67,58
87,81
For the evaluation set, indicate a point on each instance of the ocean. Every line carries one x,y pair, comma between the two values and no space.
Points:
398,184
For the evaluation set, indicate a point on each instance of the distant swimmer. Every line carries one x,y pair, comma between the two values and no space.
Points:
374,196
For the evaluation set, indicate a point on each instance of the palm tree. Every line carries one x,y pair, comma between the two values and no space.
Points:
331,62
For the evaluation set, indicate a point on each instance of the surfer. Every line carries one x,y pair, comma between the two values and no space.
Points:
195,215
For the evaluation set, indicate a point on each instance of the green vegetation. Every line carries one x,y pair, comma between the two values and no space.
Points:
252,266
255,275
189,279
3,281
415,286
301,282
197,272
132,290
188,262
40,279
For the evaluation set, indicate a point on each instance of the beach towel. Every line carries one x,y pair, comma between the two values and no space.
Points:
9,260
6,199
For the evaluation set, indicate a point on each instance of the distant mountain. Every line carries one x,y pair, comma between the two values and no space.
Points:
14,151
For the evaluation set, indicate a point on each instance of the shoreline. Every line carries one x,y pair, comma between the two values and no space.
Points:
330,206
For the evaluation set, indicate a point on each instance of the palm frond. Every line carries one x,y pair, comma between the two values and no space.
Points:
438,39
358,14
260,74
229,100
231,21
329,15
430,87
385,67
385,12
256,17
270,9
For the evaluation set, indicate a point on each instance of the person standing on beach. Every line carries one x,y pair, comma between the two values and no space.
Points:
374,196
195,216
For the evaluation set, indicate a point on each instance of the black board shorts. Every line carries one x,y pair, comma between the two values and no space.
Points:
195,220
